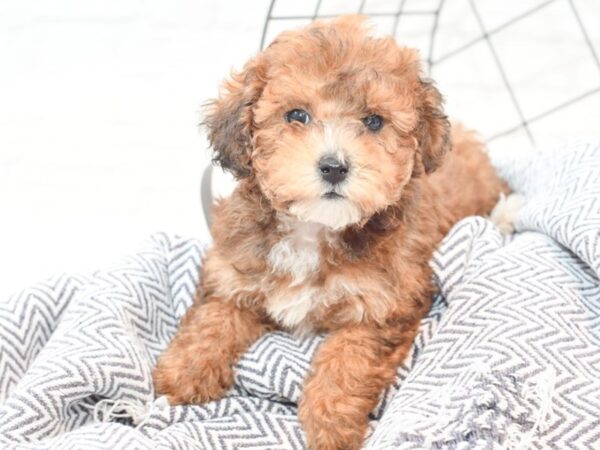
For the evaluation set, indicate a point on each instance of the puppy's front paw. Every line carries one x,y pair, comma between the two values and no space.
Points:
197,366
188,381
332,422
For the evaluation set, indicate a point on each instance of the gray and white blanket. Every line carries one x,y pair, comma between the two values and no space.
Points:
509,356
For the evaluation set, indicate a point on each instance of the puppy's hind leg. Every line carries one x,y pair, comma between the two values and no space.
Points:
506,211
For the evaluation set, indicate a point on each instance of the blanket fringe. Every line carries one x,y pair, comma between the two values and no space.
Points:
107,410
540,390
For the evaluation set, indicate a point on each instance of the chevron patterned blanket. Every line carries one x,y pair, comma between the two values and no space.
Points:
508,357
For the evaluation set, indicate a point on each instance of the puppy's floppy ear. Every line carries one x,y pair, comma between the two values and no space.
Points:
229,118
434,129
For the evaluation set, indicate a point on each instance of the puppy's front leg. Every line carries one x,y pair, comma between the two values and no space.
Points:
351,369
197,366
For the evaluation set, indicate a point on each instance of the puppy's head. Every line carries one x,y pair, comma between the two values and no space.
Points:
331,122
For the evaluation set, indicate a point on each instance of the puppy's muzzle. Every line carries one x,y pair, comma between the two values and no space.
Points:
332,170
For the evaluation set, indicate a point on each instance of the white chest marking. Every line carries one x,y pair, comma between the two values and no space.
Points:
291,308
298,253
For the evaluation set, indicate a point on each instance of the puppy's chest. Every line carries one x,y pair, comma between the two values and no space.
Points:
298,253
298,303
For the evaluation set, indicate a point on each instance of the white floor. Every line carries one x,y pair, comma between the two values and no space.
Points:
99,105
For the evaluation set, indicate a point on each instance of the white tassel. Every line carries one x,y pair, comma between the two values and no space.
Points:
106,410
541,391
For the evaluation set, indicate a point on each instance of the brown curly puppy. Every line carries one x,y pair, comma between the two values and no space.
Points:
344,192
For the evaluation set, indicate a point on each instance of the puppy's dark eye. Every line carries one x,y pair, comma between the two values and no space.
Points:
373,122
297,115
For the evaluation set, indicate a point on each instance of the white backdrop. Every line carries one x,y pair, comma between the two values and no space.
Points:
99,105
100,100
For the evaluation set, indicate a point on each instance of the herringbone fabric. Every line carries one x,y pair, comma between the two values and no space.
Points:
508,356
516,356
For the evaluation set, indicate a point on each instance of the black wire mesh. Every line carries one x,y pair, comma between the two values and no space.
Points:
398,10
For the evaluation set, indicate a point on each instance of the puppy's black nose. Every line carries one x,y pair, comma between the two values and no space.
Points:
332,170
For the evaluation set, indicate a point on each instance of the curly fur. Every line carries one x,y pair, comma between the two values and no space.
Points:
355,267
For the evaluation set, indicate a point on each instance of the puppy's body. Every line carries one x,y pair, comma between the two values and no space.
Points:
308,278
297,251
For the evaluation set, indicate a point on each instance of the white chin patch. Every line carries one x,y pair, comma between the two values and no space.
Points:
333,213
